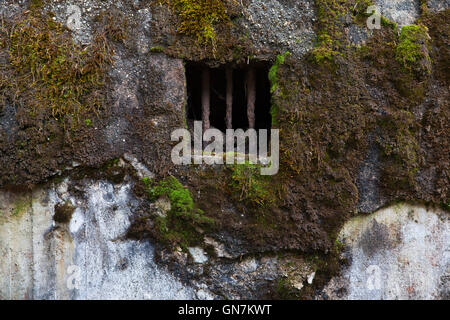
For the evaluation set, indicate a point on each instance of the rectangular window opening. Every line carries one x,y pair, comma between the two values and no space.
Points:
248,85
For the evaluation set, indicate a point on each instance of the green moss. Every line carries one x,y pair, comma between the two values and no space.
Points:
156,49
410,50
388,23
360,13
253,188
329,34
273,72
49,72
338,246
179,226
199,17
423,6
21,205
273,77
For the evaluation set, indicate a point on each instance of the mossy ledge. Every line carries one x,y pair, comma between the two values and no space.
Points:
179,226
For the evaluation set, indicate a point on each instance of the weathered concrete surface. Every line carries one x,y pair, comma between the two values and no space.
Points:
399,252
90,256
285,24
86,259
438,5
403,12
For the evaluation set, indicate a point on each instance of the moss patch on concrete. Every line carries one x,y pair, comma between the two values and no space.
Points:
199,17
329,34
50,71
251,187
55,87
413,47
179,226
273,78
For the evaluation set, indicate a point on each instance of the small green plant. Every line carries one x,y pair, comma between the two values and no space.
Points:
252,187
88,122
157,49
273,78
324,49
388,23
199,17
178,227
273,72
410,50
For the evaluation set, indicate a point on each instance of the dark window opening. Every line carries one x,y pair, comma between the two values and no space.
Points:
218,90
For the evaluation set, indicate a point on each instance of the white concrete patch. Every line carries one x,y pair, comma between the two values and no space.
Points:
90,258
400,252
77,221
311,278
198,254
403,12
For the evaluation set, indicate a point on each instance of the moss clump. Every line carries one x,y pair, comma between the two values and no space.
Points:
412,49
329,39
253,188
157,49
179,226
199,17
273,72
273,78
50,72
63,212
388,23
324,49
